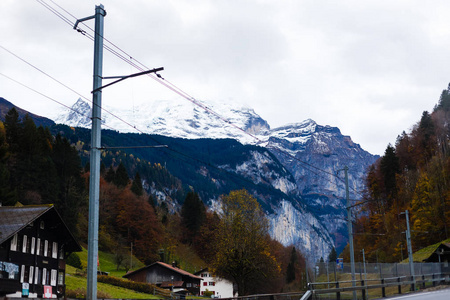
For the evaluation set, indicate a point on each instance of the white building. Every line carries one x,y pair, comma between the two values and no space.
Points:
220,288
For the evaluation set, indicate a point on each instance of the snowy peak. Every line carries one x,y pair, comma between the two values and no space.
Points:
174,118
79,115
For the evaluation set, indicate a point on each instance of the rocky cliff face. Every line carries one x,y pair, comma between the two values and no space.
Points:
312,158
316,156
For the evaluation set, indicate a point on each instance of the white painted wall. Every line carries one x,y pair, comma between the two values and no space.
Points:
222,288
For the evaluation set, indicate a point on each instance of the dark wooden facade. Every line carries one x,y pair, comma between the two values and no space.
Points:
167,276
34,243
441,255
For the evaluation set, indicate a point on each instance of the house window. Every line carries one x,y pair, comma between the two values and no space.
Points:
204,274
205,284
45,253
55,250
39,246
60,278
14,243
53,278
22,273
28,245
212,283
30,280
33,244
61,253
188,284
37,275
24,244
42,225
44,276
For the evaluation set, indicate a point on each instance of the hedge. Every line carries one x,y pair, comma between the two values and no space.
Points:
132,285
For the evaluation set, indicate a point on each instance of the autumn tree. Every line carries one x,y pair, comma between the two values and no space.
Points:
242,251
206,237
137,221
413,175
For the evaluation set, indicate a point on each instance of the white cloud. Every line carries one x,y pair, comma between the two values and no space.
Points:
367,67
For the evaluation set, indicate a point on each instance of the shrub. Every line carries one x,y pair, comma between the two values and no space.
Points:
74,261
208,293
80,293
131,285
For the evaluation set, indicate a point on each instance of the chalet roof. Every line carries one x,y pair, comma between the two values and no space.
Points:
201,271
175,269
442,250
426,253
15,218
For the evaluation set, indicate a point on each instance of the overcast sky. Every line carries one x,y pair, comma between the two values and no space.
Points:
368,67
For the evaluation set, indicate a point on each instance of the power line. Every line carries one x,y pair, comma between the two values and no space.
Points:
185,95
48,97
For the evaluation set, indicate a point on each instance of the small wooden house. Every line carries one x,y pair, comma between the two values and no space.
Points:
167,276
34,243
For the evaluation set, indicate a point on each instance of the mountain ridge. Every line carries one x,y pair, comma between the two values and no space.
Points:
299,147
310,152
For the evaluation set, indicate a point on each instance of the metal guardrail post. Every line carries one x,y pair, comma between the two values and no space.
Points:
363,291
383,289
338,294
399,285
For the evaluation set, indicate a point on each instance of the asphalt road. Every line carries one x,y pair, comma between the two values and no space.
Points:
443,294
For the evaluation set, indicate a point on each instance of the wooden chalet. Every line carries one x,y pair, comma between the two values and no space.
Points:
167,276
34,244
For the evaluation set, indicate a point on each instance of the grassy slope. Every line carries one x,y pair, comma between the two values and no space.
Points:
76,282
79,283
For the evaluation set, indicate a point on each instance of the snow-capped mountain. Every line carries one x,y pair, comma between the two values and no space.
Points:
311,154
172,118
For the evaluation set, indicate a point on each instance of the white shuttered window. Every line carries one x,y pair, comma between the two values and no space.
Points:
55,250
53,278
14,243
33,243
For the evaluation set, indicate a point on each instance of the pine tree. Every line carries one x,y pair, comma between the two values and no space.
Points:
13,126
109,176
389,167
136,186
8,196
68,168
332,257
121,177
193,214
290,271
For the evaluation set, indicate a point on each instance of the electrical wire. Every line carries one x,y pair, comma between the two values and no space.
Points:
50,98
138,65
